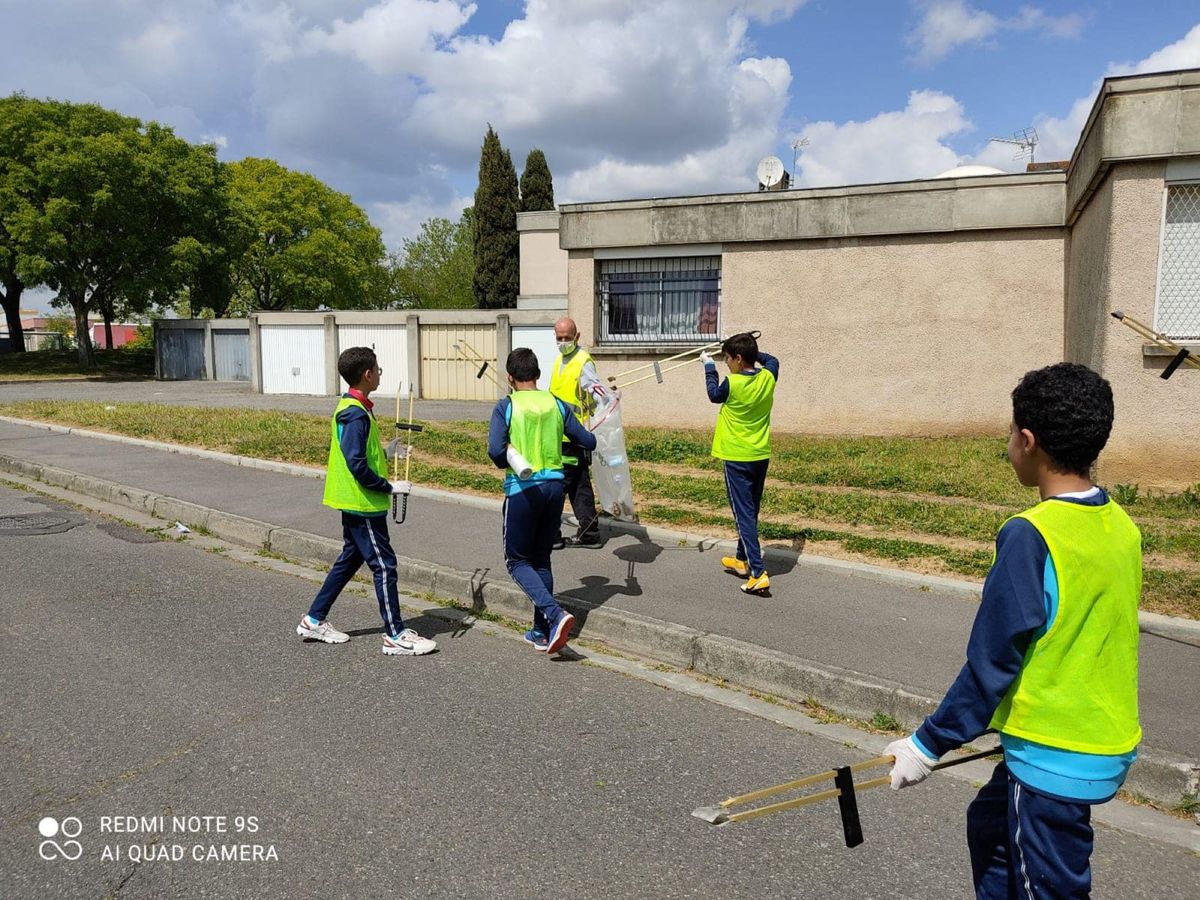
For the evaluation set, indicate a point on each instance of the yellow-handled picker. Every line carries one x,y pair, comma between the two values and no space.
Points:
402,501
1183,356
844,789
656,368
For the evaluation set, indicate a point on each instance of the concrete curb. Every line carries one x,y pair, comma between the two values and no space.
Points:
1163,777
1186,631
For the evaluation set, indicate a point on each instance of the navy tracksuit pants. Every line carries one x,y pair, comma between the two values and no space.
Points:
364,539
1027,845
744,482
531,521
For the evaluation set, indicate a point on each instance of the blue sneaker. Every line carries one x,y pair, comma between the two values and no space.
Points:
536,639
560,633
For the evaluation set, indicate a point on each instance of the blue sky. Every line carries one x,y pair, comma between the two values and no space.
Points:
388,100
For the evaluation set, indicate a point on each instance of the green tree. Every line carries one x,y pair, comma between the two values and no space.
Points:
21,122
537,185
109,210
435,270
497,247
310,246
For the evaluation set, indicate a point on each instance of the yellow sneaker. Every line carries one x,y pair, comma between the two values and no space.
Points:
735,565
760,585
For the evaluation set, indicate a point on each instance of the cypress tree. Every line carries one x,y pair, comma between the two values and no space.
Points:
537,185
497,246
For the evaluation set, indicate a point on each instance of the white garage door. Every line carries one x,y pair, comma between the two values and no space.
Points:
390,343
293,359
539,339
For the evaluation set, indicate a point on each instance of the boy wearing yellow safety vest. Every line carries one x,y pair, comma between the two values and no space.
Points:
576,383
742,441
1052,657
532,423
356,484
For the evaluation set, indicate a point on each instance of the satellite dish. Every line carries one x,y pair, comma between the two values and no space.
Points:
770,171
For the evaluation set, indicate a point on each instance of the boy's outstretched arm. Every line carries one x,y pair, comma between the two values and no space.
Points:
498,434
718,391
1012,611
770,363
573,429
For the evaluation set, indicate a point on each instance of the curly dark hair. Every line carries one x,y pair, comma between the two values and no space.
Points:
522,365
743,345
354,363
1069,409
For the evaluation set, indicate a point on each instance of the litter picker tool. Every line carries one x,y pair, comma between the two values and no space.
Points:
408,426
1183,356
471,355
844,789
656,367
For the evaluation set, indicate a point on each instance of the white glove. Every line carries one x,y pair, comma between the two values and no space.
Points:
705,359
401,487
911,766
397,450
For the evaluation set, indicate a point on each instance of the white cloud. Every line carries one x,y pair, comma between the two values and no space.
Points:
1058,136
402,219
396,35
892,146
946,24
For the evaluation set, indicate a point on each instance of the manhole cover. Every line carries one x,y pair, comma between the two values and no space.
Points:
38,523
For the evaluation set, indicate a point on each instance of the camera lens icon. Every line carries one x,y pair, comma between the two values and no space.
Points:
70,827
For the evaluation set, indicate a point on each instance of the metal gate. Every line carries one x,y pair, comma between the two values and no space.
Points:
293,359
444,374
181,354
390,343
231,355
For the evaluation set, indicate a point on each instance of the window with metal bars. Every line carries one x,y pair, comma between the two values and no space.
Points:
657,301
1178,309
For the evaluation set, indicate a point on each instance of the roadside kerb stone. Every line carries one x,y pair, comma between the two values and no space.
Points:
1167,778
1162,777
190,514
239,529
844,691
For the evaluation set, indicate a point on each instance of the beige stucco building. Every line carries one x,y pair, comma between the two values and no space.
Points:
913,308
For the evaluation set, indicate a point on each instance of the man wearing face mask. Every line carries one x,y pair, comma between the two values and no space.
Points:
576,383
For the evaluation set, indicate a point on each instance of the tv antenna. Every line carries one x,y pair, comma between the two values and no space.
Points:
1026,139
797,145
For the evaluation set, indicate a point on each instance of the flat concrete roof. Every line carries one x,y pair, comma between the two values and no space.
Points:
1147,116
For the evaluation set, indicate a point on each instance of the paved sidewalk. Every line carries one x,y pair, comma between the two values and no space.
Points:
907,636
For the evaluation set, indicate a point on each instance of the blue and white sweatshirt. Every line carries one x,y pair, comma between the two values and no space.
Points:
1020,601
354,427
498,444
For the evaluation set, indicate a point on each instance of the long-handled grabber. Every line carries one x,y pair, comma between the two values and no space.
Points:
1183,356
656,367
471,355
408,426
843,789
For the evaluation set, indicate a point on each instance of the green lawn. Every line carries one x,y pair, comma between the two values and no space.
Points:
931,505
52,365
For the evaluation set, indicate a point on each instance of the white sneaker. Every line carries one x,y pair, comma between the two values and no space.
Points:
323,632
408,643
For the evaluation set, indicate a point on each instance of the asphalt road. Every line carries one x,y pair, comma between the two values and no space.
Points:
148,678
221,394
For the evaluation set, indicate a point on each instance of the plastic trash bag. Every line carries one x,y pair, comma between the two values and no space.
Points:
610,464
